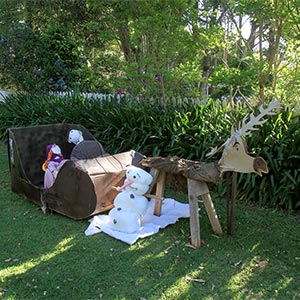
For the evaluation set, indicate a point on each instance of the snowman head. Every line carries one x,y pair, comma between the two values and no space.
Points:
138,175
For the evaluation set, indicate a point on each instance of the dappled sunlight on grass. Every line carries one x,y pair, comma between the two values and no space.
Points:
240,284
22,268
176,290
239,281
284,283
254,247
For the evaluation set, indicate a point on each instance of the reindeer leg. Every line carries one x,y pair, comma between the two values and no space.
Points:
195,189
194,192
230,199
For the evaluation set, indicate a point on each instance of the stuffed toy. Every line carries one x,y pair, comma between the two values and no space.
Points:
75,136
52,164
129,201
137,180
84,149
127,214
130,206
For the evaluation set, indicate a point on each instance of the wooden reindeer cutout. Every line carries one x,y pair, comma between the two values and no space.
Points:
235,157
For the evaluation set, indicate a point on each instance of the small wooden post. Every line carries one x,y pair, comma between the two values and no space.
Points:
231,195
212,215
160,187
194,191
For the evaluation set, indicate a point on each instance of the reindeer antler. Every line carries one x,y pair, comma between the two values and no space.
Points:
246,128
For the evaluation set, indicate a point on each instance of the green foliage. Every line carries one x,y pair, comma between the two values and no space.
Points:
187,130
18,57
279,144
36,61
60,58
152,48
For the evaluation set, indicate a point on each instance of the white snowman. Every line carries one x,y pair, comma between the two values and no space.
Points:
130,205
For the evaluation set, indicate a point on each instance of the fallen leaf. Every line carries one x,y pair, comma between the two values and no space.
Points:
176,259
202,242
239,263
199,280
261,264
216,236
190,246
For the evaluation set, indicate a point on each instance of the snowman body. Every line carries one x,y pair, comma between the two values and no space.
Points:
130,205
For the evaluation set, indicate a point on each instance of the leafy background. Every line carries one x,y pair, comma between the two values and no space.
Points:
185,130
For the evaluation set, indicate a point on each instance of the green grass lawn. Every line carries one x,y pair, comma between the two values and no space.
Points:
49,257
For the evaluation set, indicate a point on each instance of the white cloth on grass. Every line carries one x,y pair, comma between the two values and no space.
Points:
171,211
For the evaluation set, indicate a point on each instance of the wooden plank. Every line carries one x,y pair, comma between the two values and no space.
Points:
231,204
154,173
160,187
194,190
228,201
212,215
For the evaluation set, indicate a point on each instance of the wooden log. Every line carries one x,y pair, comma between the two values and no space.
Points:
207,172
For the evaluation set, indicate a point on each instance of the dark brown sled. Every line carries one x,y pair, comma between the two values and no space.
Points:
82,188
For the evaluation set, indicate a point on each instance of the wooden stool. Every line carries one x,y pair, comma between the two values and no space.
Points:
195,189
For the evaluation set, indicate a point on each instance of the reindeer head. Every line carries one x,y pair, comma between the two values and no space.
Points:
235,156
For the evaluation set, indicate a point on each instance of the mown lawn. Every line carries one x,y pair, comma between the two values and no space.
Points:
49,257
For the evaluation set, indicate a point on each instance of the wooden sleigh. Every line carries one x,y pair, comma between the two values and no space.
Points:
81,188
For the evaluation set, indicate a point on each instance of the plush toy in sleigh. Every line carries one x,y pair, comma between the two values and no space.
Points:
82,179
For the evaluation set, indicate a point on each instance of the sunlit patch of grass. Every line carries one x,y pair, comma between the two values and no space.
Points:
238,282
22,268
175,291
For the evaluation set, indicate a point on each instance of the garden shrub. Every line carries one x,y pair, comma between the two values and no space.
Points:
187,130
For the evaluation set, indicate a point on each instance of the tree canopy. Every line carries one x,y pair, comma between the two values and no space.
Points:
210,48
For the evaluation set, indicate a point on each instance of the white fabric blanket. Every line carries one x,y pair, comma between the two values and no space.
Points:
171,211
